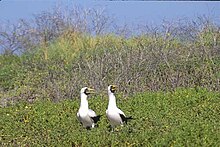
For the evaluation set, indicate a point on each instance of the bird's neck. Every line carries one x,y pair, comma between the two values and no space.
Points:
112,101
84,102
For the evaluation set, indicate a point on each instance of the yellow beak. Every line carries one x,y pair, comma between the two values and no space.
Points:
114,87
91,90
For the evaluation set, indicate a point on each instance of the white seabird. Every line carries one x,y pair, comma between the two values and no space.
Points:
114,114
87,117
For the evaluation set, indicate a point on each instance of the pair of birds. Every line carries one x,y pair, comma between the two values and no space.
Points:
88,117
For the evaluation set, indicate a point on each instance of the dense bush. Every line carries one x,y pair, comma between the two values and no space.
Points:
137,64
54,57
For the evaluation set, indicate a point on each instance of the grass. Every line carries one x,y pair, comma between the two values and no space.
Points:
185,117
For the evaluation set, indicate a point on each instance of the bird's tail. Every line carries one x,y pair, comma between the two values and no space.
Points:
96,118
128,118
125,119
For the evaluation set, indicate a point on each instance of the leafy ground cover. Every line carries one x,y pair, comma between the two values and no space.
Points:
184,117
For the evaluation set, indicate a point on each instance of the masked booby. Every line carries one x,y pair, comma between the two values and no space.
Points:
114,114
87,117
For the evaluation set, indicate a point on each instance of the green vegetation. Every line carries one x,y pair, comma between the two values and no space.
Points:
184,117
59,70
58,54
168,78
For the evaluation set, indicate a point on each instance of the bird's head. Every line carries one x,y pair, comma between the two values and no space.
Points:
112,88
87,91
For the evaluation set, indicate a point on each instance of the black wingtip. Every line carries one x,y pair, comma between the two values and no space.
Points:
130,117
125,119
96,118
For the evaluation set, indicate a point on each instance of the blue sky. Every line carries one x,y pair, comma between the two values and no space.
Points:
152,12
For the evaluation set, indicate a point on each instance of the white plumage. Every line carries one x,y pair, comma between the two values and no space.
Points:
114,114
86,116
